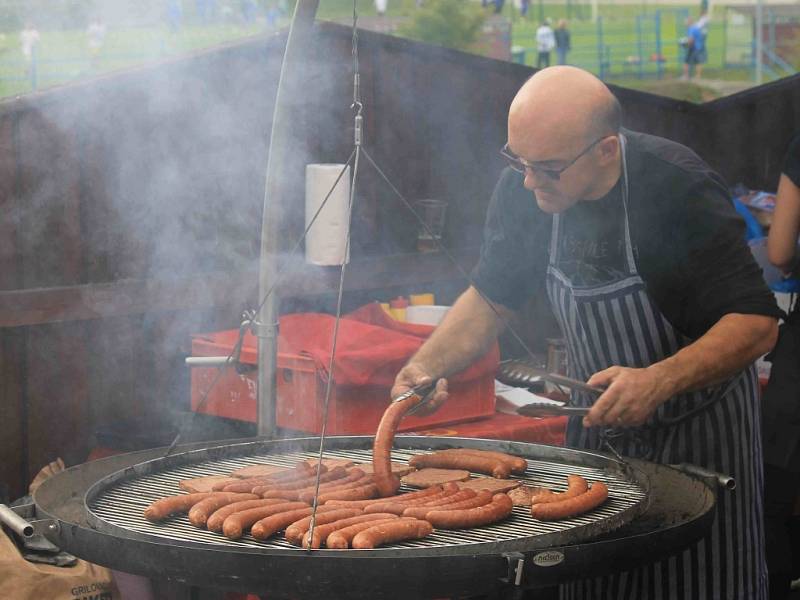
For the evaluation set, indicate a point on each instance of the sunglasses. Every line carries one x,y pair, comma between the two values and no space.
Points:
521,165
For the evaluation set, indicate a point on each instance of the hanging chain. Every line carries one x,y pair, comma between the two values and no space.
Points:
357,133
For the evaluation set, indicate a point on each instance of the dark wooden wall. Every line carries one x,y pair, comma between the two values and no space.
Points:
131,210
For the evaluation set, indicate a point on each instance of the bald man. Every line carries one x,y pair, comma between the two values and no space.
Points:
636,243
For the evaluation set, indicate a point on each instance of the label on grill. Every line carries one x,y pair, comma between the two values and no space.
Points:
550,558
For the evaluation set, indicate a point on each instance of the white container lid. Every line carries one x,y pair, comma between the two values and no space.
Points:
426,314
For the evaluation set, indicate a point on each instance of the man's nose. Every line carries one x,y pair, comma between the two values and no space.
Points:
533,180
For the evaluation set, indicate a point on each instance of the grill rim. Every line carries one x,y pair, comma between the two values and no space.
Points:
571,457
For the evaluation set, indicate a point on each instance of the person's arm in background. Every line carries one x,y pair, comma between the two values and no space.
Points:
466,333
783,233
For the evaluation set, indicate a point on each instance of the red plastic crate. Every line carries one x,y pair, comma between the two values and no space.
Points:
352,410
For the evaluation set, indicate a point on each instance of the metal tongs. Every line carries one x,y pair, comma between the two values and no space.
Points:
424,392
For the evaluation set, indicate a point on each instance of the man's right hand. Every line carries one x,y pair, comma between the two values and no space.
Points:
414,374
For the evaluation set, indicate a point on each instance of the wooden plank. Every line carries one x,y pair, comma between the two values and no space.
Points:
58,415
13,432
95,301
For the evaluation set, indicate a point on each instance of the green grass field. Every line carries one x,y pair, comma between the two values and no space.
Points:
628,45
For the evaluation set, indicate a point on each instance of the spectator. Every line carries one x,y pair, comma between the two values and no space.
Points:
524,5
562,42
96,37
781,423
545,42
380,7
174,15
696,53
29,41
249,9
498,6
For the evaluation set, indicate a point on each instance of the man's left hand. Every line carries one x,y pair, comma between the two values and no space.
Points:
631,396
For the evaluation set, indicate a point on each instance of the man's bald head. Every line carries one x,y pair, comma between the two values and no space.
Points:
564,103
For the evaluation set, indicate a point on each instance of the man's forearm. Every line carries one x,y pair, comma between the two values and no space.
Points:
728,347
466,333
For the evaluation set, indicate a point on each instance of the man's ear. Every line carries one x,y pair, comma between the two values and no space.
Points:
609,149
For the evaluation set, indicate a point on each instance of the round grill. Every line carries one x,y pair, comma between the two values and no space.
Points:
116,503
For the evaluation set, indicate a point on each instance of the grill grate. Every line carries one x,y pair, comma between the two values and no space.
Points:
120,506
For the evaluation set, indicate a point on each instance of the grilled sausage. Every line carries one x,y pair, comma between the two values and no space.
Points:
517,464
571,507
435,489
166,507
268,526
308,496
397,507
241,486
295,532
363,492
236,524
482,498
340,540
499,508
469,462
461,496
387,482
293,480
321,532
293,490
217,518
576,485
199,513
392,531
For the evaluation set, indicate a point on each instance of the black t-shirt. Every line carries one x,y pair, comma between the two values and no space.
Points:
688,241
791,164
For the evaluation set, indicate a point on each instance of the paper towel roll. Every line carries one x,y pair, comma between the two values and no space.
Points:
327,239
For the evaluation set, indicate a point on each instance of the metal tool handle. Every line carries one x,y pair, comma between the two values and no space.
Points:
552,410
517,367
16,523
208,361
422,391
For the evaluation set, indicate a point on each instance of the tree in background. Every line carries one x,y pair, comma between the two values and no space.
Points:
450,23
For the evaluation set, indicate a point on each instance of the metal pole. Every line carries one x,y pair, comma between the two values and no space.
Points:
282,138
759,41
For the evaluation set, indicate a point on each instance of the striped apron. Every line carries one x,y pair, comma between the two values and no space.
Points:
617,323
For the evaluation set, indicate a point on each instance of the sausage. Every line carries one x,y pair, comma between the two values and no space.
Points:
166,507
340,540
236,524
199,513
295,532
460,496
321,532
499,508
435,489
576,485
392,531
292,491
397,507
572,507
218,517
468,462
245,486
517,464
272,524
308,490
357,493
308,496
421,512
386,481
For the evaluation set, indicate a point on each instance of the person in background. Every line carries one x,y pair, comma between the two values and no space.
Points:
524,5
174,15
29,39
498,6
545,42
781,402
381,6
96,37
562,42
696,53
